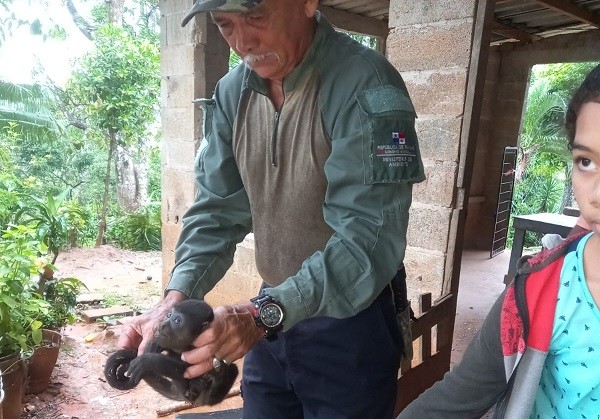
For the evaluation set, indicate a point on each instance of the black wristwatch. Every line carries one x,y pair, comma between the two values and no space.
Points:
268,315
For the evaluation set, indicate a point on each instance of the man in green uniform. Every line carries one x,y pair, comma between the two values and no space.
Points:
310,143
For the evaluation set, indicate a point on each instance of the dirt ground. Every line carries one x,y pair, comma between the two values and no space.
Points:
78,389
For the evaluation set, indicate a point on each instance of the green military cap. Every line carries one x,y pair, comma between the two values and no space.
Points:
200,6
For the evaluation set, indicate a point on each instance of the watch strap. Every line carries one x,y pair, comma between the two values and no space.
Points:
270,333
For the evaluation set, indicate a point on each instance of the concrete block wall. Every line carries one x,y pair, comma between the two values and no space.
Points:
193,58
430,44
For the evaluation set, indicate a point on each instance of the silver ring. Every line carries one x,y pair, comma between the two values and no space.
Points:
216,363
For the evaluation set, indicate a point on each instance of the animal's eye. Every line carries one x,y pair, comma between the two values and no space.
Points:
177,320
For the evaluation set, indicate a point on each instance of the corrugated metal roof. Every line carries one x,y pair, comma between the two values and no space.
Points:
514,20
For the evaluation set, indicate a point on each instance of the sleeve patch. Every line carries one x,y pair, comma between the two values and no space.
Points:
390,145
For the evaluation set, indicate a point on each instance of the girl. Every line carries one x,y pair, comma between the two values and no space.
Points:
538,352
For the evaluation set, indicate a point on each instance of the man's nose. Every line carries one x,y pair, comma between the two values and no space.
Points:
245,41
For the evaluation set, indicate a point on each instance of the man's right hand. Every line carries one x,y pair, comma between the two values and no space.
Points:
140,330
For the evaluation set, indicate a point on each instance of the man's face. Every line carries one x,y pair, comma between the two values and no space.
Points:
586,164
273,37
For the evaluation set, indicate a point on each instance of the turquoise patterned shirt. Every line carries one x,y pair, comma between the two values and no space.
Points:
570,382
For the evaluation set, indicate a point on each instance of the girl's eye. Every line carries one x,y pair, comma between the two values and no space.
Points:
584,164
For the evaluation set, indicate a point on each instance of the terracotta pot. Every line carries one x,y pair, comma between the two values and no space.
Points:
14,376
43,360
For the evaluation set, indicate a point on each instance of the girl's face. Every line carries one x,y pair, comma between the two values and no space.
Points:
586,164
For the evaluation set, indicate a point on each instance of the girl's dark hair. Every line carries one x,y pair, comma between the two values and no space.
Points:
589,91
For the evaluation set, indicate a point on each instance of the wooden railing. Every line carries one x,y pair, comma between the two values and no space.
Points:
432,344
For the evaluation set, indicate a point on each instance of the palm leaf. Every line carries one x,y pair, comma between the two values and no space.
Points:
26,110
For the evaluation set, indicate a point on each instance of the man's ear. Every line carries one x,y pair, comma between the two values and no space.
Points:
310,8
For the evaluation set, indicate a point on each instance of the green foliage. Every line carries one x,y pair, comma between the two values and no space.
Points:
543,118
26,110
536,193
368,41
564,78
61,294
21,307
138,231
154,175
117,85
53,218
53,141
234,59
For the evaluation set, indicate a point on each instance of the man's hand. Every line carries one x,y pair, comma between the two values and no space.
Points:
140,330
230,335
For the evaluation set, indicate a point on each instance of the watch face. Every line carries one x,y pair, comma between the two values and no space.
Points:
271,315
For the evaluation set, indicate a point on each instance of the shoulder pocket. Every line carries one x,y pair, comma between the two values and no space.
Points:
390,145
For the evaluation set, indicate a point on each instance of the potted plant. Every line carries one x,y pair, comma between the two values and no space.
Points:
61,295
21,309
52,218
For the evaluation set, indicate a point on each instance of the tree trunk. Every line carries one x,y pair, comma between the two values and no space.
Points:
112,135
132,179
115,11
84,27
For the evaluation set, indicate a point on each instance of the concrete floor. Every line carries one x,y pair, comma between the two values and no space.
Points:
481,282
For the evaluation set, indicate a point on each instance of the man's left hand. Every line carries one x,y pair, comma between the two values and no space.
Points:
230,335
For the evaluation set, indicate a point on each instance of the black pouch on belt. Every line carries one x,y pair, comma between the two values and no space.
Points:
404,312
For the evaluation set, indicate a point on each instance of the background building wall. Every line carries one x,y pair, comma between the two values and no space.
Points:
430,44
192,59
509,72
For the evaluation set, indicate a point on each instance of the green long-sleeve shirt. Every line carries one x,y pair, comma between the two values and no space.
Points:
325,183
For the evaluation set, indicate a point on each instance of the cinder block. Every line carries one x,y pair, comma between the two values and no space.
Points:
170,235
403,13
181,195
180,154
438,188
428,226
177,60
181,124
437,93
169,7
439,137
424,271
446,45
177,91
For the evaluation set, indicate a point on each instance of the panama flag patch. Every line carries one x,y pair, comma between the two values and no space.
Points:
398,138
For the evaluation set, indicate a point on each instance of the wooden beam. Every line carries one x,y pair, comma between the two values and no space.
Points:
511,32
571,9
355,23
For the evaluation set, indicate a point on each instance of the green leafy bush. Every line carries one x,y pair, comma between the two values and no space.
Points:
61,294
21,306
53,219
138,231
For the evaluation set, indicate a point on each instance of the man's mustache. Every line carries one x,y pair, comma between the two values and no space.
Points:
252,59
